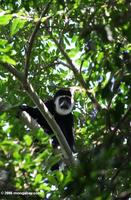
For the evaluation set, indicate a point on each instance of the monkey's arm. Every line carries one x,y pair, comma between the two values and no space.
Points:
36,114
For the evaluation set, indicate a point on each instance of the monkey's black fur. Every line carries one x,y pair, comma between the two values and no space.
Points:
65,121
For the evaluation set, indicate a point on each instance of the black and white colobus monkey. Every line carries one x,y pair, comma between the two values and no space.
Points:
60,107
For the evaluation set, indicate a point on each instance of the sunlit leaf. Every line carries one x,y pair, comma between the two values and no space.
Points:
38,178
28,140
45,187
3,42
5,19
17,24
7,59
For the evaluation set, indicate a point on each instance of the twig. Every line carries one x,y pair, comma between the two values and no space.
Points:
122,165
62,63
69,61
32,39
112,135
122,120
116,85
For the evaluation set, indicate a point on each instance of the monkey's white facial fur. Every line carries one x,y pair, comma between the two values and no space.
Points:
64,104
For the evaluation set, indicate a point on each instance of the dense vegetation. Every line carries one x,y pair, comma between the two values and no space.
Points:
54,44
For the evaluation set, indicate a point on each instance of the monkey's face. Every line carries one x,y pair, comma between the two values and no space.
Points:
64,104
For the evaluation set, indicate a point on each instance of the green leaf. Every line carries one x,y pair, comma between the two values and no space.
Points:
45,187
60,176
7,59
3,42
68,178
73,52
17,24
38,178
28,140
52,180
5,19
5,49
16,155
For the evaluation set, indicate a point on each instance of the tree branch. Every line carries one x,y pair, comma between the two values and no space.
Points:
32,39
62,63
67,153
75,71
24,116
123,164
29,121
4,106
51,121
122,120
124,195
13,70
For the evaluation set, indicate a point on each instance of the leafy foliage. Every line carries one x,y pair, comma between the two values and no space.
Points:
78,43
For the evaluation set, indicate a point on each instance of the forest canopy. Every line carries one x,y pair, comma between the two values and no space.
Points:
80,44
